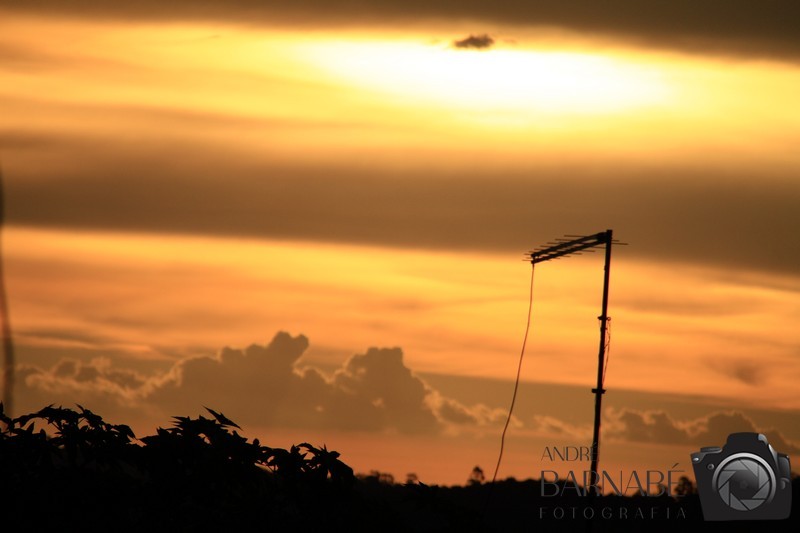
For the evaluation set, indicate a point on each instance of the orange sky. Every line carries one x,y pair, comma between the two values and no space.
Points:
175,186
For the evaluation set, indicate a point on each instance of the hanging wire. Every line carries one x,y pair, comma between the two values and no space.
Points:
516,381
607,350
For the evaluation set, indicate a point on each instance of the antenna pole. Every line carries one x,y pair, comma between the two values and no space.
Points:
578,245
599,391
5,327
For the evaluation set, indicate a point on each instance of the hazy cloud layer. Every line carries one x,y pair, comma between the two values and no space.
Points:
711,430
700,216
729,26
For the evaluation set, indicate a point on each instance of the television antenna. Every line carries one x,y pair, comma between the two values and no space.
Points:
575,245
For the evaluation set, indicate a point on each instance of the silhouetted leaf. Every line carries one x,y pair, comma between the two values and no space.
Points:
222,419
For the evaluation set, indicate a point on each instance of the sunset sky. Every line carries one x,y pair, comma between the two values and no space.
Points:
312,216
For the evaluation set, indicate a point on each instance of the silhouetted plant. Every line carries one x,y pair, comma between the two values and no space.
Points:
199,471
476,477
377,477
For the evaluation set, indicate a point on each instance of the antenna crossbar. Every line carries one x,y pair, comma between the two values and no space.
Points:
566,247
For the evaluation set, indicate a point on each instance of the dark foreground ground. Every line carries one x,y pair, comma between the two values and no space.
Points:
68,470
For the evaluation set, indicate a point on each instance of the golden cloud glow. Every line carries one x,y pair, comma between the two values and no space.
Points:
460,314
334,94
523,81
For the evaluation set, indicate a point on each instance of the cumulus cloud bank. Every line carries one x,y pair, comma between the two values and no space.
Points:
268,385
261,384
711,430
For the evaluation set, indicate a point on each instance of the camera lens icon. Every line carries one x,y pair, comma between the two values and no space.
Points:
744,482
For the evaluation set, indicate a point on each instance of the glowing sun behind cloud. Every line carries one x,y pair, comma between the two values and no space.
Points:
525,81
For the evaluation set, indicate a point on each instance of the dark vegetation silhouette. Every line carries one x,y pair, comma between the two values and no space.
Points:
69,470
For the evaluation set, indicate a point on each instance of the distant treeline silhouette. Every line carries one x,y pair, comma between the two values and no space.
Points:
76,472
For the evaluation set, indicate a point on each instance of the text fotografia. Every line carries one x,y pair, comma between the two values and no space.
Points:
611,513
578,484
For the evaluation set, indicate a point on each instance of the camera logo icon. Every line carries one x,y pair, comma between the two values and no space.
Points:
744,480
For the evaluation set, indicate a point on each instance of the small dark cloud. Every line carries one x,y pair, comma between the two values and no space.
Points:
747,372
17,58
719,425
476,42
454,413
648,426
93,381
19,140
555,426
380,385
65,368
